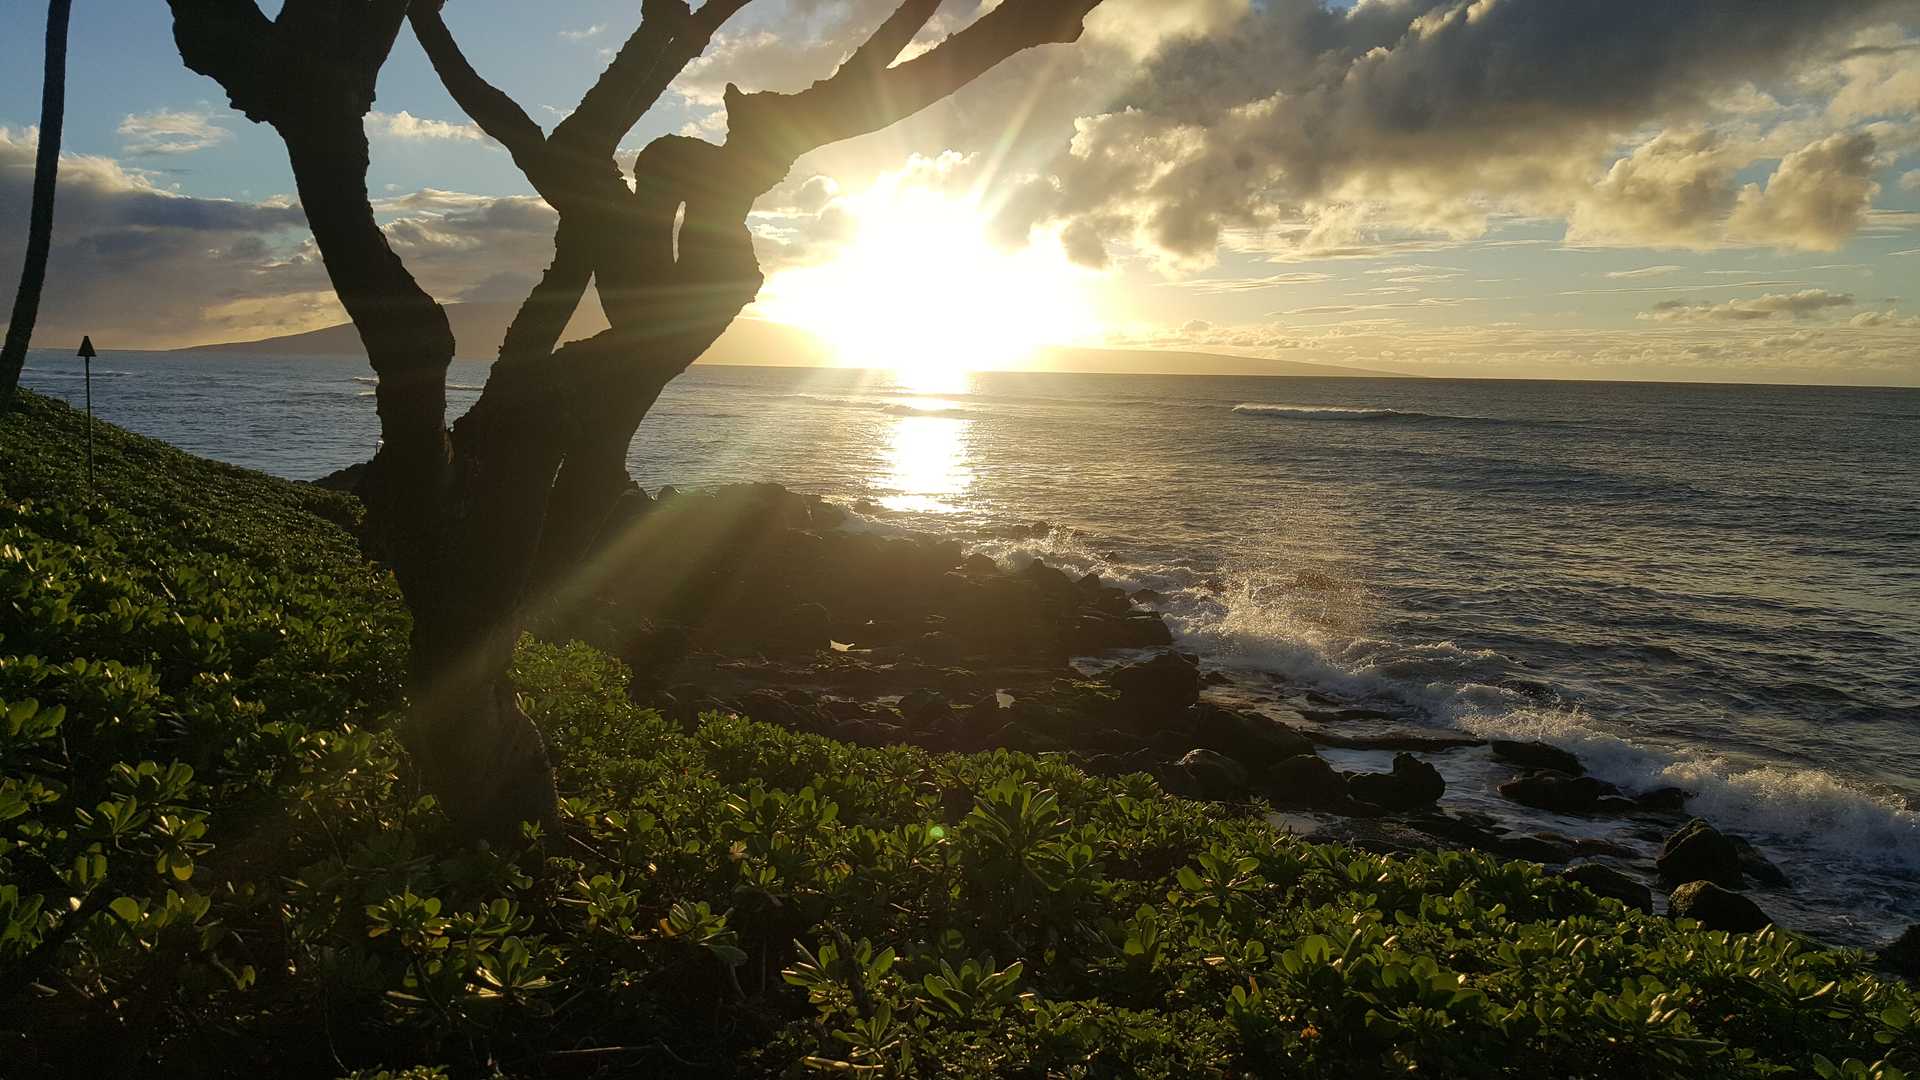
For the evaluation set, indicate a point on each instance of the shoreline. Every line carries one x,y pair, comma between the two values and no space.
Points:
807,615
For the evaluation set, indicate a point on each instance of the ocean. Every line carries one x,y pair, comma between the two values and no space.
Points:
1715,587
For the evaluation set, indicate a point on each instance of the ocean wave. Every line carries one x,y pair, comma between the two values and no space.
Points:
1812,814
1803,808
374,380
915,405
98,373
1343,412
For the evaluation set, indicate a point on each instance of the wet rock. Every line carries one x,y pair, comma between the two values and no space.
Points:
1716,908
1558,792
1211,775
1394,740
1537,755
1603,880
1048,580
1757,866
1307,782
1903,955
1098,631
1412,783
1670,800
1250,739
1537,847
1165,684
924,708
1337,715
938,646
1700,852
1614,805
794,709
347,479
804,626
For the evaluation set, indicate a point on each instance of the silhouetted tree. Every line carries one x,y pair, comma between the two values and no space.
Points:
46,170
467,515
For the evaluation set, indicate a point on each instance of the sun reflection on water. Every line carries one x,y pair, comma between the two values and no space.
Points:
926,459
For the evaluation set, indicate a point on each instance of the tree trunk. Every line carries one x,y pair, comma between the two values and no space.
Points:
514,500
456,515
46,169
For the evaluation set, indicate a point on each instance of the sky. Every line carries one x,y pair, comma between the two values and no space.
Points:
1716,190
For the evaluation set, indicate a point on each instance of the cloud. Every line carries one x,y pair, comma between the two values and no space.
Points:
1644,272
1750,309
1884,319
133,264
1671,192
1910,180
137,266
1877,76
1818,198
581,35
170,131
405,125
1320,128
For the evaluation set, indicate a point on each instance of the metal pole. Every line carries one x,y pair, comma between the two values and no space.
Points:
88,361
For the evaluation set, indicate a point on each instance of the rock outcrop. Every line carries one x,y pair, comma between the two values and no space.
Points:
1412,784
1716,908
1560,793
1537,755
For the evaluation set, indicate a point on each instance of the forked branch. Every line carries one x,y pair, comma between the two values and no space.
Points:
670,37
865,95
497,114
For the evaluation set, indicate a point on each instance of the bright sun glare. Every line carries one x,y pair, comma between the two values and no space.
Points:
920,288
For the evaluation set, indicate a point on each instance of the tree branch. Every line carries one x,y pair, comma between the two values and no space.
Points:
228,41
893,36
774,130
670,37
498,115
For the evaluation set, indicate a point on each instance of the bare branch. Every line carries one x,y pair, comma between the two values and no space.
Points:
498,115
670,36
544,315
774,129
893,36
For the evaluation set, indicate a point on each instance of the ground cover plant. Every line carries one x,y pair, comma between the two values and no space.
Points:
214,861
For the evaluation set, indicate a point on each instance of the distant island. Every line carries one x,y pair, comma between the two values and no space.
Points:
478,329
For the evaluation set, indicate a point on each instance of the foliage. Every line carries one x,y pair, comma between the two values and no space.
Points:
214,862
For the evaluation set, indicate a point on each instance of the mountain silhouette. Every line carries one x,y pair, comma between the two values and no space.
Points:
478,329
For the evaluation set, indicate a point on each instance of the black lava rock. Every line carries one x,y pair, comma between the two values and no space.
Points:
1716,908
1412,783
1537,755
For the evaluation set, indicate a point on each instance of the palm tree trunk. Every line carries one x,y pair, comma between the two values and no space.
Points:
46,168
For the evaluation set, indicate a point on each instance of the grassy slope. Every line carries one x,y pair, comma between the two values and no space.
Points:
211,861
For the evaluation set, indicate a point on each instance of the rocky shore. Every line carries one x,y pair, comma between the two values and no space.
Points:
756,600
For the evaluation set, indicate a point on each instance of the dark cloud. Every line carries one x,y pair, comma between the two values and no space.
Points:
137,265
1422,112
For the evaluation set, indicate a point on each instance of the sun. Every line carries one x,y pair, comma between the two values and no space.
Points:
920,288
